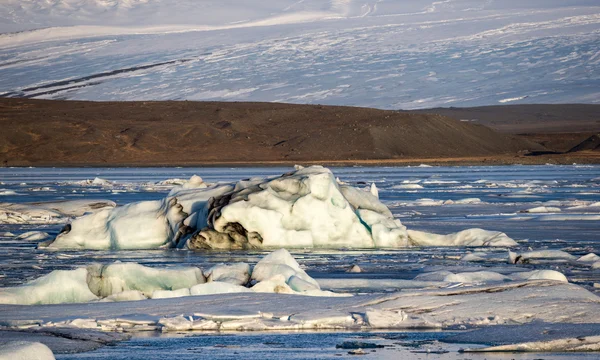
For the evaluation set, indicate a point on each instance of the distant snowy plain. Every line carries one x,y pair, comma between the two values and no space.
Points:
385,54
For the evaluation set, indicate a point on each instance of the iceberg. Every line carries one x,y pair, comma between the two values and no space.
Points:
114,282
305,208
469,237
25,350
60,286
106,280
278,272
282,263
236,274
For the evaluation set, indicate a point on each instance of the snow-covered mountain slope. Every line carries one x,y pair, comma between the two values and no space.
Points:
380,53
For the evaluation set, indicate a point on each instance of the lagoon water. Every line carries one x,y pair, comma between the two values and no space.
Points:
433,199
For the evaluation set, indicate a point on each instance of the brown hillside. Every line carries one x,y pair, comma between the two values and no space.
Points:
42,132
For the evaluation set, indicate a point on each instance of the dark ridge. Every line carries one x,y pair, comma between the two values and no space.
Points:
186,133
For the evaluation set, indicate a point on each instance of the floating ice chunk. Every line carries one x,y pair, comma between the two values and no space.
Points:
60,286
570,217
175,181
127,295
101,182
354,269
217,287
280,262
139,225
434,275
540,275
591,257
469,237
467,201
476,277
388,319
195,182
407,186
237,274
105,280
275,284
595,205
25,350
542,209
475,257
33,236
577,344
514,258
167,294
299,285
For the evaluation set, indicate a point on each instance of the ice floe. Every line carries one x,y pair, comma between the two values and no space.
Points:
278,272
469,237
33,236
542,209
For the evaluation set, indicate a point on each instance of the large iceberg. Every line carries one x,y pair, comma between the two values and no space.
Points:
304,208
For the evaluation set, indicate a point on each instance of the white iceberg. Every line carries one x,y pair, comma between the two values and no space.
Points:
304,208
105,280
280,262
33,236
60,286
542,209
469,237
237,274
552,255
25,350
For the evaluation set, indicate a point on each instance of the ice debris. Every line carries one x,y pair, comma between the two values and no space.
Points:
278,272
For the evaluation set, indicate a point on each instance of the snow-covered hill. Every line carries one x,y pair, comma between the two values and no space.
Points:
380,53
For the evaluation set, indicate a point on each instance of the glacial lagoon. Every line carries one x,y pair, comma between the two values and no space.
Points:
552,212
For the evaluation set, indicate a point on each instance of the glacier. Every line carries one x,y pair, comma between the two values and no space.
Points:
476,53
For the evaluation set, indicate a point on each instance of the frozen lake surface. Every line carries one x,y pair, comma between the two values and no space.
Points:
433,199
